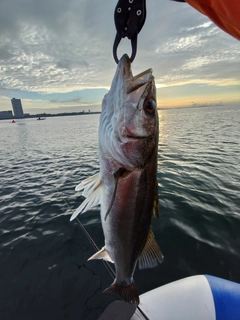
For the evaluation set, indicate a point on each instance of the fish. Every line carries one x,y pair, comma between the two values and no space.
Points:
126,185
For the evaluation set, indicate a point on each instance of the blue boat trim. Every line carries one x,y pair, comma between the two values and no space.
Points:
226,295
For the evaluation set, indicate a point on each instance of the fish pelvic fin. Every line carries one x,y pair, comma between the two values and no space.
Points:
102,254
151,254
92,191
128,294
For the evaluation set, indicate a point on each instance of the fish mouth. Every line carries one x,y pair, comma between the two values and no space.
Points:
125,66
134,86
144,76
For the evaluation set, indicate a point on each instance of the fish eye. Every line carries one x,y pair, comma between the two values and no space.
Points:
149,106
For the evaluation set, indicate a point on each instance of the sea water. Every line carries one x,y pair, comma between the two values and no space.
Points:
43,256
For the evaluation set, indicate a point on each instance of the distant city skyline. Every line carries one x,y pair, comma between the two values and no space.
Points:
81,109
17,108
67,67
6,114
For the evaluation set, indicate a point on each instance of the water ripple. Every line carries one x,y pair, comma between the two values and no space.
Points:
43,254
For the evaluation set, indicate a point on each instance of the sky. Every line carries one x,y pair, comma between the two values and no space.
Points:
56,55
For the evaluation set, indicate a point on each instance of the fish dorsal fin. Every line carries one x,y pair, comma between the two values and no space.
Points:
155,210
151,253
92,190
101,254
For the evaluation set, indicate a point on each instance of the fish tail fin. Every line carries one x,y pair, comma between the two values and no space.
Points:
128,294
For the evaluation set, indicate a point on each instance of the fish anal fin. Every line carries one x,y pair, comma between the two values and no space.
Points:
151,254
101,254
128,294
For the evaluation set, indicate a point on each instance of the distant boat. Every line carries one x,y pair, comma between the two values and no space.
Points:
41,118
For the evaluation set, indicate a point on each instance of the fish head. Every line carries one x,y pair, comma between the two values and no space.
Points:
128,128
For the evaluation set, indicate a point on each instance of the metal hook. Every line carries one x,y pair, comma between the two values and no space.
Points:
129,19
133,44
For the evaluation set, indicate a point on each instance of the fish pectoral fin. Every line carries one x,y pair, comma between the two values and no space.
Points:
89,184
102,254
151,253
92,191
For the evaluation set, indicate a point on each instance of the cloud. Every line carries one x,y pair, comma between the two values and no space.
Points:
62,47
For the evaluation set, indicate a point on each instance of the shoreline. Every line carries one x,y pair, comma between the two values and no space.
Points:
49,115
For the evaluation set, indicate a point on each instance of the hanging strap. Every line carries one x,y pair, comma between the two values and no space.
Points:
129,17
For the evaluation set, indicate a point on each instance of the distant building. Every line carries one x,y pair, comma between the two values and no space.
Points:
17,108
6,114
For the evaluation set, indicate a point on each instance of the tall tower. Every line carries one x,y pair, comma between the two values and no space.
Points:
17,108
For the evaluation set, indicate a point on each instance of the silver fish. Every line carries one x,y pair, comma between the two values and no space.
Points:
126,186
